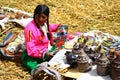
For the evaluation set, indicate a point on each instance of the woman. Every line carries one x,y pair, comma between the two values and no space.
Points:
38,38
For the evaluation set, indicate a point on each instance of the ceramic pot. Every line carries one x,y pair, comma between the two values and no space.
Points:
115,68
18,15
84,62
93,53
103,65
71,59
112,54
25,16
76,49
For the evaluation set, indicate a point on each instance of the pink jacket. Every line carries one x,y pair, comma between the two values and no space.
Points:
36,42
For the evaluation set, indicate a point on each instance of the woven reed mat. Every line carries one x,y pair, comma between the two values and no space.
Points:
67,72
64,72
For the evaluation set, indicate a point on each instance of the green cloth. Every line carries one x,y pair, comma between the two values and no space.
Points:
31,63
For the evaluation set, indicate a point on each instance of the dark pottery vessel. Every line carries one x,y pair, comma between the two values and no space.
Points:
103,65
115,68
112,54
71,59
94,54
84,62
76,48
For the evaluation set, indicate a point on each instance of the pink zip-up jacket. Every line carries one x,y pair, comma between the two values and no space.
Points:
36,42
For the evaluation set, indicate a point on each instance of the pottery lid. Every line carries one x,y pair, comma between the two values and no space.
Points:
102,57
116,62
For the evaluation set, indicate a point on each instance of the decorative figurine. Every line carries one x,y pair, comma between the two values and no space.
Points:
71,59
103,65
112,54
84,62
76,48
94,54
115,68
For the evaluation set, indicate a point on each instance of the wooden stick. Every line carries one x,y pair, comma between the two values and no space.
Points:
5,30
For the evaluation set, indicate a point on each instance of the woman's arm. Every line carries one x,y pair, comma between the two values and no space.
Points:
34,45
54,27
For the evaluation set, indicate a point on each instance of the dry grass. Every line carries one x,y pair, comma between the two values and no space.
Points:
79,15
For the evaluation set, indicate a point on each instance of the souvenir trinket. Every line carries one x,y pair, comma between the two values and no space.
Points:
94,54
18,15
60,35
111,56
76,48
103,65
84,62
71,59
115,68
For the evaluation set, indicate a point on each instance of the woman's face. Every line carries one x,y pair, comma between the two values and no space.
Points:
41,19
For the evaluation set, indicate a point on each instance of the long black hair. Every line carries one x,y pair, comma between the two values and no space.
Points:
42,9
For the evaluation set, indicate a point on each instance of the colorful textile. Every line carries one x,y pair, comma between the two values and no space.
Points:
10,37
60,36
17,45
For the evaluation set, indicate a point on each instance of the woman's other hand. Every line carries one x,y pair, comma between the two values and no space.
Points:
48,56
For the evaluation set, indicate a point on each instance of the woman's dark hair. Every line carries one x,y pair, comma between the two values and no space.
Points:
42,9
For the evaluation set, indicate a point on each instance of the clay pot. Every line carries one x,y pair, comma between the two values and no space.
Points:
94,54
76,49
84,62
71,59
103,65
115,68
112,54
25,16
18,15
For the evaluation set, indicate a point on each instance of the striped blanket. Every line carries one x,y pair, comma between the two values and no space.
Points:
12,44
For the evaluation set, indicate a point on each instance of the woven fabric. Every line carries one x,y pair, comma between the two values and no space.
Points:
8,38
60,36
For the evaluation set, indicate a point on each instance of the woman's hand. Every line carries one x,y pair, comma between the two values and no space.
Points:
48,56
